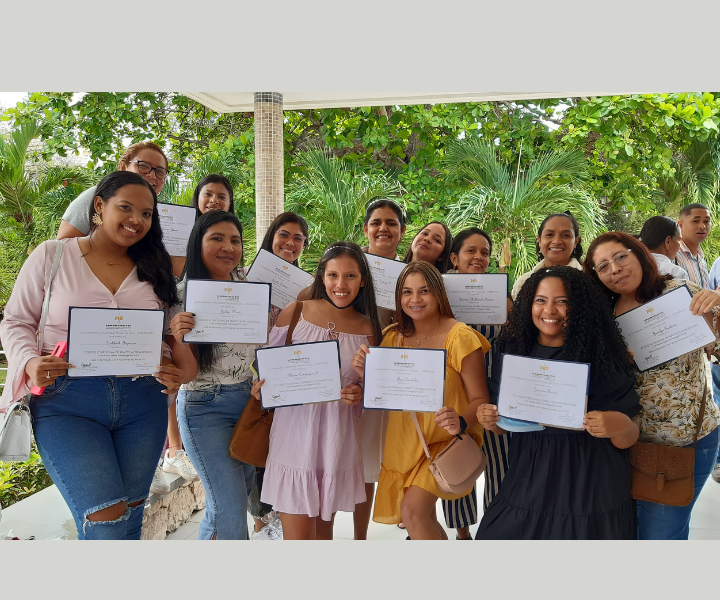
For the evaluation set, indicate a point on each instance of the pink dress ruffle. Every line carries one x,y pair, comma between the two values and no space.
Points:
314,466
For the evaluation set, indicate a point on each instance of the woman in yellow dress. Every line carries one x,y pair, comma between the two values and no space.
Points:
407,490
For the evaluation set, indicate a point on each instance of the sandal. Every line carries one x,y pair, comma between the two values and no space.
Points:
400,525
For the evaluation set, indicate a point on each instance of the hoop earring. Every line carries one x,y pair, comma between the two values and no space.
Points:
97,220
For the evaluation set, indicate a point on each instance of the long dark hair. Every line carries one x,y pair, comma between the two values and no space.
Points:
365,301
384,203
577,252
656,230
214,178
435,286
591,333
652,283
443,263
195,268
280,220
149,255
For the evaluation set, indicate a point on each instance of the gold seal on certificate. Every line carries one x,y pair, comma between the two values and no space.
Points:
228,312
108,342
176,222
299,374
549,392
663,329
385,273
287,280
410,379
477,299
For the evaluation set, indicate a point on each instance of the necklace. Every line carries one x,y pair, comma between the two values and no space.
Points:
107,262
427,337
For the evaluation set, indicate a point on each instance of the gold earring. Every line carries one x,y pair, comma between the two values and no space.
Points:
97,220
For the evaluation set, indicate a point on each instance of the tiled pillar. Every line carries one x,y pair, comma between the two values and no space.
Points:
269,160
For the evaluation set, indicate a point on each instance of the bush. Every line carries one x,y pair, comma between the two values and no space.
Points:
20,480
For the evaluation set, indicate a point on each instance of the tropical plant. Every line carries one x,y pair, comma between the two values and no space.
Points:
332,195
511,201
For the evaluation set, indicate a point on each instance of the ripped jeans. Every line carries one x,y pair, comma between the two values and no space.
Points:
100,438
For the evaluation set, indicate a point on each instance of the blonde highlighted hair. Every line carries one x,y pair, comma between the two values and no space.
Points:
132,151
436,287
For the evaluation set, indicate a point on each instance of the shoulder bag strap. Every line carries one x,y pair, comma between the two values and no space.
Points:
46,301
293,322
413,416
701,415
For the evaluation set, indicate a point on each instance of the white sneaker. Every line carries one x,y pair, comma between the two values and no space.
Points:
267,533
180,464
273,519
159,486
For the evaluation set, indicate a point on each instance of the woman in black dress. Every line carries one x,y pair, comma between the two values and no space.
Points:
562,483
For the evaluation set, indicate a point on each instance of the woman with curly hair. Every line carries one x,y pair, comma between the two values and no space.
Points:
564,483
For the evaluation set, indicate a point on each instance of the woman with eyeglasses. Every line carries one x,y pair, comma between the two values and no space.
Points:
671,393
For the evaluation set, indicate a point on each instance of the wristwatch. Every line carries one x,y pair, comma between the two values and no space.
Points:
463,425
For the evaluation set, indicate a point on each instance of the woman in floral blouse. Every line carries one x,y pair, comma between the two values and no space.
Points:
670,394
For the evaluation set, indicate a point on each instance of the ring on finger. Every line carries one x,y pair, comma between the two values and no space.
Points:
48,375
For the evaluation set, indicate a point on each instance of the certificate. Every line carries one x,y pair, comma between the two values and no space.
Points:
176,223
106,342
229,312
287,280
411,379
664,328
478,299
549,392
385,273
299,373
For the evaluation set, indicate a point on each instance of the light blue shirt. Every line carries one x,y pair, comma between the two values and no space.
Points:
714,277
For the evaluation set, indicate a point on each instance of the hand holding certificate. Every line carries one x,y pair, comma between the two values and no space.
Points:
477,299
105,342
663,329
287,280
385,273
410,379
176,223
230,312
299,374
549,392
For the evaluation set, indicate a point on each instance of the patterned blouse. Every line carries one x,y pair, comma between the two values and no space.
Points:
670,394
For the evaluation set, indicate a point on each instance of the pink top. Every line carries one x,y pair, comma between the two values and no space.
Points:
74,285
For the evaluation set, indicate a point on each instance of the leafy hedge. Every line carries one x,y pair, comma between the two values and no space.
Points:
20,480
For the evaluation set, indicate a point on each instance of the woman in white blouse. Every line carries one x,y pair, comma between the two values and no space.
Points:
662,237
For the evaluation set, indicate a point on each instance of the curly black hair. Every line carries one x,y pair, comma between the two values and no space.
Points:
591,334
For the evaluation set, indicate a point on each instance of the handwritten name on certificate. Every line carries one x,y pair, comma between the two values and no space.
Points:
106,342
385,273
176,222
549,392
411,379
299,374
287,280
229,312
664,328
478,299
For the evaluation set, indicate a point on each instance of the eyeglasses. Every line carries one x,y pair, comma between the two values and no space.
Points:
147,168
621,258
285,237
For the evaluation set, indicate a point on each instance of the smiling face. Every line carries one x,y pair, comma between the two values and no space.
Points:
221,249
695,227
342,280
127,216
416,299
429,244
384,232
474,255
288,241
213,196
557,241
549,311
621,279
155,159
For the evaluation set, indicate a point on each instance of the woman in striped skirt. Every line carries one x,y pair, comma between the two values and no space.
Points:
471,251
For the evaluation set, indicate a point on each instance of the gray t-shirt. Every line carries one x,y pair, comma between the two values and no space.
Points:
78,212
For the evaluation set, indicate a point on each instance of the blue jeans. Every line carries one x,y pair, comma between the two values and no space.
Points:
99,438
661,522
207,419
715,371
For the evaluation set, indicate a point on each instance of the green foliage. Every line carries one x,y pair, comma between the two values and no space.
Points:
20,480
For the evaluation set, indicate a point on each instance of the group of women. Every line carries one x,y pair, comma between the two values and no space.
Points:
100,438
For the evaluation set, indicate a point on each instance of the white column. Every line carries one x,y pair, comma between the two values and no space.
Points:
269,161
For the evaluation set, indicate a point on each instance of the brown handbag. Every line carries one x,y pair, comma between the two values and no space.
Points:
458,465
665,474
250,441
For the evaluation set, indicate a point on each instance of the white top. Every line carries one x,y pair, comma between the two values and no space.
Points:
668,267
523,278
